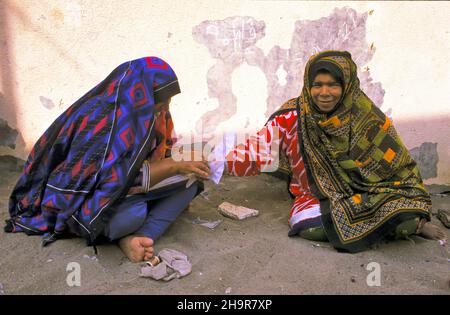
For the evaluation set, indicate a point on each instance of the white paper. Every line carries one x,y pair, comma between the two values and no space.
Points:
217,158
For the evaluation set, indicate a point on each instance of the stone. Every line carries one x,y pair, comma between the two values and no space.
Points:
236,212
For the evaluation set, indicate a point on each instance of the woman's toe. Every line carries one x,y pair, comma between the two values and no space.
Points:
149,250
146,242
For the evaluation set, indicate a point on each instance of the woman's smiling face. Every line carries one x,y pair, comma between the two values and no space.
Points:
326,92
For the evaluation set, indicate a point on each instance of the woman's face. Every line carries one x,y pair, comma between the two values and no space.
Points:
326,92
162,106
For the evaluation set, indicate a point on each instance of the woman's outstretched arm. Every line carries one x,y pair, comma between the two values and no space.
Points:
259,153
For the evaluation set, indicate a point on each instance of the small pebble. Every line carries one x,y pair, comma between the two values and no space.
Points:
200,273
228,290
352,279
49,260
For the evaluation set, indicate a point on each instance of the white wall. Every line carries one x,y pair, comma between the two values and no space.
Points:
57,50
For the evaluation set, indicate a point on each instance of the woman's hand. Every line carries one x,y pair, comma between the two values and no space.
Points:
167,167
199,168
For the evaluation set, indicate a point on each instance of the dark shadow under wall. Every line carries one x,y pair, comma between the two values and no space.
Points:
8,139
427,159
10,163
8,135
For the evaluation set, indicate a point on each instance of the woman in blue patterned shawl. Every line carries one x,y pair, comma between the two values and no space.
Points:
91,172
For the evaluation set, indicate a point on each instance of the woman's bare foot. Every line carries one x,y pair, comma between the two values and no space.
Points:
137,247
430,231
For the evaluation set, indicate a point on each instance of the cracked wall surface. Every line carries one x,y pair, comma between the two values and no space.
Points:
8,135
427,159
236,61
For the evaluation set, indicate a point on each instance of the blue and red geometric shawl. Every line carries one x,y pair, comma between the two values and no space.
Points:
90,155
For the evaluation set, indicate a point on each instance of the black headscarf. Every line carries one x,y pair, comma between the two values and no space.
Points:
328,66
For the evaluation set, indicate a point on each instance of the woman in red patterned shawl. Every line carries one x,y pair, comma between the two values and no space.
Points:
352,180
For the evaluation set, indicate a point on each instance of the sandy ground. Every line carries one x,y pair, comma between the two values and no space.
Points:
253,256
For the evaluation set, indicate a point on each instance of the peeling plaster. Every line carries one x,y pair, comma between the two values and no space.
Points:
232,42
427,159
8,135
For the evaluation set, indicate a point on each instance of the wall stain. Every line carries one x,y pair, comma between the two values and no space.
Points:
232,42
8,135
427,159
46,102
57,15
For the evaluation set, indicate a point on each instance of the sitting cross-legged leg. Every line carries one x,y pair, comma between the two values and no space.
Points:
139,222
420,227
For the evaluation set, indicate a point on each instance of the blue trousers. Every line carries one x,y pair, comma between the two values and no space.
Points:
149,214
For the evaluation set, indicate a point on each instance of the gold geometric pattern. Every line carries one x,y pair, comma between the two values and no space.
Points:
389,155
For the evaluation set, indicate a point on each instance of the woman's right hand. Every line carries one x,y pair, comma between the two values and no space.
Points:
199,168
165,168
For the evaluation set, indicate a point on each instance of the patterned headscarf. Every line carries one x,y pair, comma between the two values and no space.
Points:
356,163
89,157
